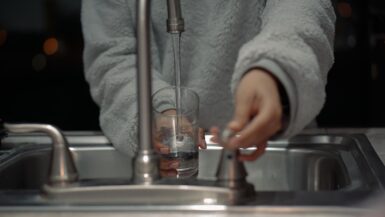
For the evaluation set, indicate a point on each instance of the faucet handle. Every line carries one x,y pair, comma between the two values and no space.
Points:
231,172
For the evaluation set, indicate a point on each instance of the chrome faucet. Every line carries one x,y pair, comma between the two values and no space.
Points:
146,161
175,21
62,167
231,173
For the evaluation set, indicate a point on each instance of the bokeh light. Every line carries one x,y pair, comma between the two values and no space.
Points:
344,9
50,46
3,37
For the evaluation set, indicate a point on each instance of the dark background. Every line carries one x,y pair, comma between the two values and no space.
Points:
41,72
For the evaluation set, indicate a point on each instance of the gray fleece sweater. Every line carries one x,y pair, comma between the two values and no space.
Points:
293,39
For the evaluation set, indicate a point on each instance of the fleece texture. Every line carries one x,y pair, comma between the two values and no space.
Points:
223,39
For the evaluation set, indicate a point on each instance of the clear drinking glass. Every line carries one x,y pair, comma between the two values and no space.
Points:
176,132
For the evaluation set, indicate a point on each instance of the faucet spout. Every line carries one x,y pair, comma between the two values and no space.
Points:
175,22
62,170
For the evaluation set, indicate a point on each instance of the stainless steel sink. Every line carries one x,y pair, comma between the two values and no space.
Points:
308,169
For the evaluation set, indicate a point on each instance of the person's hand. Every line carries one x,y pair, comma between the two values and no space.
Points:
168,166
258,113
186,124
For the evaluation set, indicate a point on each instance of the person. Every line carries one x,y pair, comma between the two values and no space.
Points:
259,66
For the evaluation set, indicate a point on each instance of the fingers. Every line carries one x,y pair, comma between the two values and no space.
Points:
258,110
161,148
216,137
242,157
242,112
168,164
202,142
264,125
168,167
255,154
260,129
215,134
168,173
246,107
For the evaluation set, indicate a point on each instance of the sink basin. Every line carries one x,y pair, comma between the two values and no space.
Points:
327,168
28,168
283,167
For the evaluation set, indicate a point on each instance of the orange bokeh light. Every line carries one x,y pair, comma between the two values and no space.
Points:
3,37
344,9
50,46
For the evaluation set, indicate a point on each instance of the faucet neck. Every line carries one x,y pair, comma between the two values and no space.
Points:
146,161
175,22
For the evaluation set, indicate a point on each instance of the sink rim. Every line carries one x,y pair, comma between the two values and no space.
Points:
259,209
367,150
372,164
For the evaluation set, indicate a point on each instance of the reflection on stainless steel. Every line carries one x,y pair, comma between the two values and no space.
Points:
292,168
140,194
307,170
188,210
375,205
62,168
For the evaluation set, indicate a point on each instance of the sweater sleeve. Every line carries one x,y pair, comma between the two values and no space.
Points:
110,68
295,44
